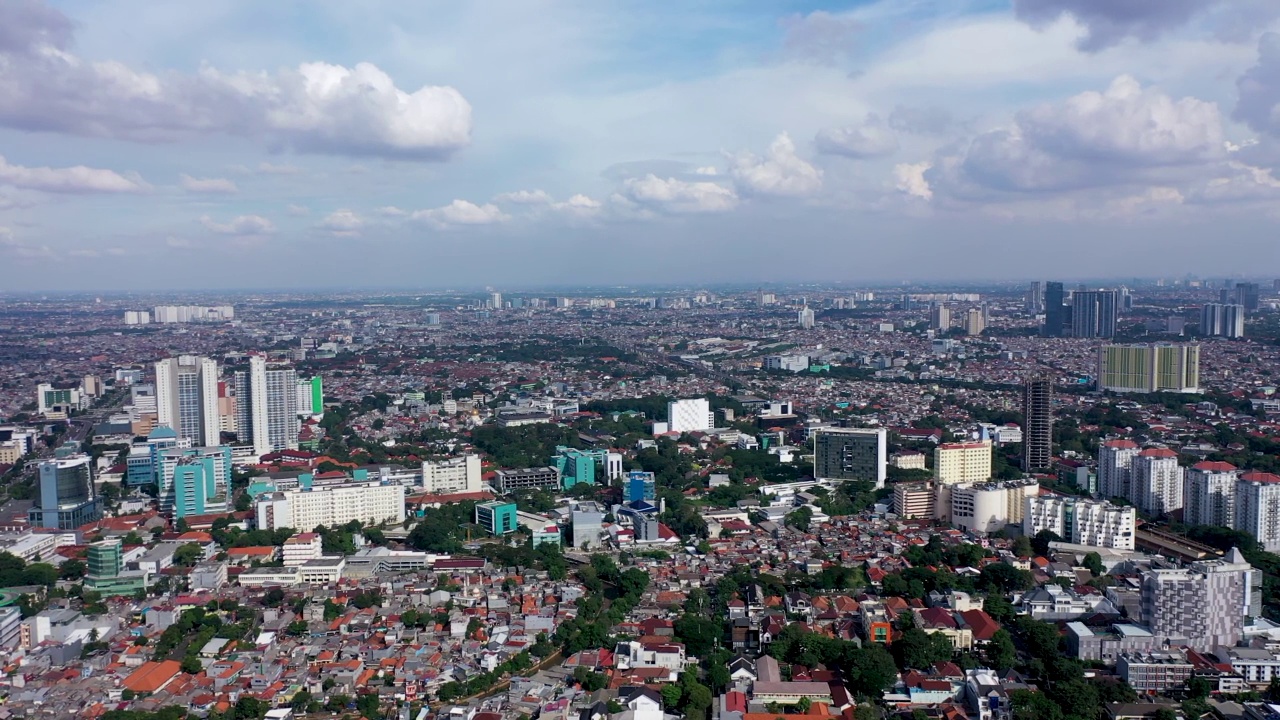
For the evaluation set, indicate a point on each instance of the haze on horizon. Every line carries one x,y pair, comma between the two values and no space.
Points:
293,145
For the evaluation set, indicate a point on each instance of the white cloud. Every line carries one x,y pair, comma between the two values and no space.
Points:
316,107
342,222
240,225
391,211
868,139
909,178
462,212
220,186
709,170
579,206
78,179
780,172
10,245
524,197
297,210
677,196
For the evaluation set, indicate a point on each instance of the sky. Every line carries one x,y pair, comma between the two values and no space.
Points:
295,145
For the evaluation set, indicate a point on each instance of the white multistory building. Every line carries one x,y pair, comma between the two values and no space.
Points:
988,507
1115,457
1257,508
1081,521
1155,485
689,415
187,398
370,503
301,548
454,475
1209,494
267,407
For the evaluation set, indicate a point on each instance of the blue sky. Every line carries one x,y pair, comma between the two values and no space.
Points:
527,143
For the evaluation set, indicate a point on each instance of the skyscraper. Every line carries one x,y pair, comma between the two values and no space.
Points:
1257,508
1037,436
1202,605
1219,320
1035,298
940,317
1054,311
66,497
975,321
1155,481
1115,459
187,398
1210,494
851,454
267,405
806,317
1161,367
1246,294
1094,313
194,481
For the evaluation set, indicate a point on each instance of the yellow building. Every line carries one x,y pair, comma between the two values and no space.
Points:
967,462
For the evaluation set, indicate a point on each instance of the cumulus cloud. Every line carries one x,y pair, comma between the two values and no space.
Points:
579,205
868,139
462,212
391,211
240,225
779,172
342,222
217,186
1259,88
677,196
524,197
316,107
1109,22
1124,135
78,179
1237,182
10,245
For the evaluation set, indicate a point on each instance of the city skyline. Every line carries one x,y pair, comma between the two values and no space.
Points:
496,145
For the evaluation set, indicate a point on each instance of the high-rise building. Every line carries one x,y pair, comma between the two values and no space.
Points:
1210,494
914,500
1155,481
497,517
67,498
310,396
579,467
975,322
1115,460
851,454
495,300
49,398
1035,298
370,503
1094,313
1203,605
1246,294
1055,320
641,486
966,462
104,559
1081,521
988,507
806,318
1257,508
187,398
1037,433
1161,367
939,317
1218,320
455,475
267,406
194,480
693,415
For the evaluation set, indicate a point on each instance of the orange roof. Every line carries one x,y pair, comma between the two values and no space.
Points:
151,676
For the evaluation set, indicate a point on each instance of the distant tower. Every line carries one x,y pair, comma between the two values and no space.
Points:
940,317
1054,310
1037,436
806,317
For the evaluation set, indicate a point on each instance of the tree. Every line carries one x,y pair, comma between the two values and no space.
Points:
370,706
871,669
188,554
273,597
671,695
1022,546
1000,652
917,649
191,665
1093,561
800,518
699,633
1164,713
1040,542
72,569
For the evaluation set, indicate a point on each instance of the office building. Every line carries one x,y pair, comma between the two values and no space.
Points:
692,415
789,363
988,507
461,474
192,313
1219,320
1055,311
267,407
194,481
142,465
545,478
187,398
1246,295
578,467
640,487
1161,367
1203,605
851,454
104,558
1034,299
586,521
497,518
495,301
914,500
806,318
1155,481
52,400
975,322
1257,508
1094,313
1081,521
1154,672
957,463
310,399
1037,434
939,317
66,496
1210,494
370,503
1115,459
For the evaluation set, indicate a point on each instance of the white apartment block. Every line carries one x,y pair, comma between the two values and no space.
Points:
1115,457
370,503
301,548
989,507
1209,494
1081,521
1257,508
1155,484
959,463
689,415
187,398
455,475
